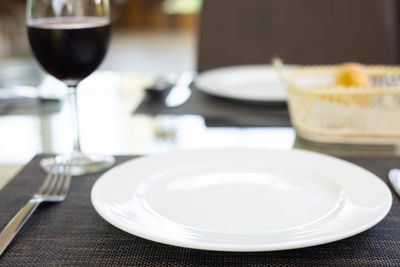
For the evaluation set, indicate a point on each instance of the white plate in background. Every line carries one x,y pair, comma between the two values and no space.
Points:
259,83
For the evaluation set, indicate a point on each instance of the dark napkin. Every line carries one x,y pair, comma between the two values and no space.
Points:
73,234
219,111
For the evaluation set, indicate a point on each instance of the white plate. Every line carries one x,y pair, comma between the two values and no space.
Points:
241,199
248,82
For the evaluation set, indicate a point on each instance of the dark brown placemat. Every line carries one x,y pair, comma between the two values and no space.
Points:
73,234
219,111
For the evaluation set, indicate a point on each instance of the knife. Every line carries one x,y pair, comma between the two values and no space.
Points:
181,91
394,178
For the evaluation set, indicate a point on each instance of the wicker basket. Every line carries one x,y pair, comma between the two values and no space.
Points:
323,112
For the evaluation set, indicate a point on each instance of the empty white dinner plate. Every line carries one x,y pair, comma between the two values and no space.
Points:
247,82
241,199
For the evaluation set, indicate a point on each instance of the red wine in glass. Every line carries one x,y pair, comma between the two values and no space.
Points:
69,48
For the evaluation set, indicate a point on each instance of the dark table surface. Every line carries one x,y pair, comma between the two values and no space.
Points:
73,234
218,111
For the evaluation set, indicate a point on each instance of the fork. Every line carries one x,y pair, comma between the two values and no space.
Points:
54,189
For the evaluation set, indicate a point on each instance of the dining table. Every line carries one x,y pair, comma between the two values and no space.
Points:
118,117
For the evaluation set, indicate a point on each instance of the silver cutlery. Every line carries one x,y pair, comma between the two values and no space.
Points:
54,189
394,178
181,91
160,86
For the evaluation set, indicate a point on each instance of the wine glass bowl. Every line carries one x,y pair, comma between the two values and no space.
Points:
69,39
69,49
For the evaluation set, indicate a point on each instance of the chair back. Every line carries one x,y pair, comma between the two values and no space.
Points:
235,32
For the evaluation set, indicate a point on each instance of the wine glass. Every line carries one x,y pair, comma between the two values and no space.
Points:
70,38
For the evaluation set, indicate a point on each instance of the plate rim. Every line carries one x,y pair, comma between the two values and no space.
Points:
155,237
212,91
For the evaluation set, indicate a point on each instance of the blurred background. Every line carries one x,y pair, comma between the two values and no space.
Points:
154,38
150,38
157,36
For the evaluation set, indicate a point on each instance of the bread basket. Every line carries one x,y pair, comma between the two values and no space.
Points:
323,112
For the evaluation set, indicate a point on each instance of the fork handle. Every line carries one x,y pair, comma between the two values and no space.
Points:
16,223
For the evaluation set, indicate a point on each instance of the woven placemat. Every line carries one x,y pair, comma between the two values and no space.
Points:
219,111
73,234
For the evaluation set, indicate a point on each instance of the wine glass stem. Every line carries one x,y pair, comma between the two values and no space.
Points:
73,105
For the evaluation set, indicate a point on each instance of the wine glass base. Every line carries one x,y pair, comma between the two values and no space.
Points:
81,163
